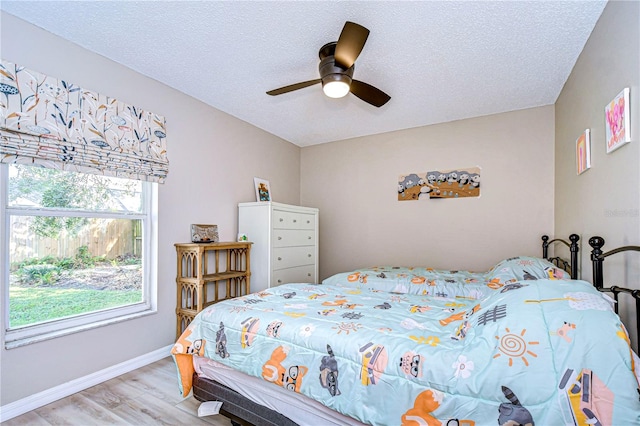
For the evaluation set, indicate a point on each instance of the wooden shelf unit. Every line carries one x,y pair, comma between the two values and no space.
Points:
200,281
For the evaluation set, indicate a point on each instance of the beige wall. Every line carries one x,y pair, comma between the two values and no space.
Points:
354,184
213,159
605,200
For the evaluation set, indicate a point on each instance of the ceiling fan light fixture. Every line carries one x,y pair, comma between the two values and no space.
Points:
336,85
336,89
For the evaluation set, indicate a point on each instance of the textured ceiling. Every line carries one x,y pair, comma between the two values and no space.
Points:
438,60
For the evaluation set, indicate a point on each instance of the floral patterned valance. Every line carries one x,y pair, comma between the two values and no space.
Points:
52,123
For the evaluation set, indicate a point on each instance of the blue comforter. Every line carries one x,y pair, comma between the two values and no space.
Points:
540,352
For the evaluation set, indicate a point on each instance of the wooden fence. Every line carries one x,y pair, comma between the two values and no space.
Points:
110,237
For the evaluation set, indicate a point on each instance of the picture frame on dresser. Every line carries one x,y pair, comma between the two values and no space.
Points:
285,243
263,191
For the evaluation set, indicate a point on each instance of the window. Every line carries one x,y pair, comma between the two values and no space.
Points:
78,251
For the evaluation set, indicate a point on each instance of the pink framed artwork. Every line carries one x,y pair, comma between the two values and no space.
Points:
583,152
617,126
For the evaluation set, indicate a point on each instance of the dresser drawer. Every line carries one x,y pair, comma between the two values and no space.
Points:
293,237
292,220
299,274
288,257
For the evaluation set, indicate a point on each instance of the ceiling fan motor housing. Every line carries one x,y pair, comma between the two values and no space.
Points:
329,71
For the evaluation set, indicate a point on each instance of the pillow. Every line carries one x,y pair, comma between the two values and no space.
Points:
523,268
413,280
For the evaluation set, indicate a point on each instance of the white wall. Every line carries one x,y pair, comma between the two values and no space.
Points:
605,200
354,184
213,159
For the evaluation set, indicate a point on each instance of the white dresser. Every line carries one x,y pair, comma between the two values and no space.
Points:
285,243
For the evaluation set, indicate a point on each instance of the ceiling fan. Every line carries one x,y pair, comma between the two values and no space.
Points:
337,61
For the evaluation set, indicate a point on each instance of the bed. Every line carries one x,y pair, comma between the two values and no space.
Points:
597,260
522,343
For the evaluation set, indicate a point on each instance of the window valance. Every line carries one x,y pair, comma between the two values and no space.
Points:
52,123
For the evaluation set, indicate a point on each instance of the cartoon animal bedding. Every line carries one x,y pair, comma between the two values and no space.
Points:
520,344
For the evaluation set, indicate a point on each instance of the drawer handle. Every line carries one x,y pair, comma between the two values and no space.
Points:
281,219
279,238
280,281
308,255
279,258
308,221
309,236
295,220
309,274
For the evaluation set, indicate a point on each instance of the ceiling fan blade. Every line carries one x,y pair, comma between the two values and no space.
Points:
293,87
350,44
369,94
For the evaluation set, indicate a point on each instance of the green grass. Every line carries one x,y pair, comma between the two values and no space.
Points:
29,305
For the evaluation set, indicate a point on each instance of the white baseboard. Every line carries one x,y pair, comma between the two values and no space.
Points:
48,396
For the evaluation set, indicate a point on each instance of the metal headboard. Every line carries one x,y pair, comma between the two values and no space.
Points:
572,265
597,259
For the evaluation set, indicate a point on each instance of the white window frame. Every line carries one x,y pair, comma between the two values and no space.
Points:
25,335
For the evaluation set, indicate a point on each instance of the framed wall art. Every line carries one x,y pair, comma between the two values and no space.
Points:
204,233
458,183
583,152
618,121
263,192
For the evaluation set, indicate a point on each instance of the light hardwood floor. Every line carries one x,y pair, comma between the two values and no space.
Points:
146,396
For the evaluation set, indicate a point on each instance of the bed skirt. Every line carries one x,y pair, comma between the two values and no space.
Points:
238,408
257,401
